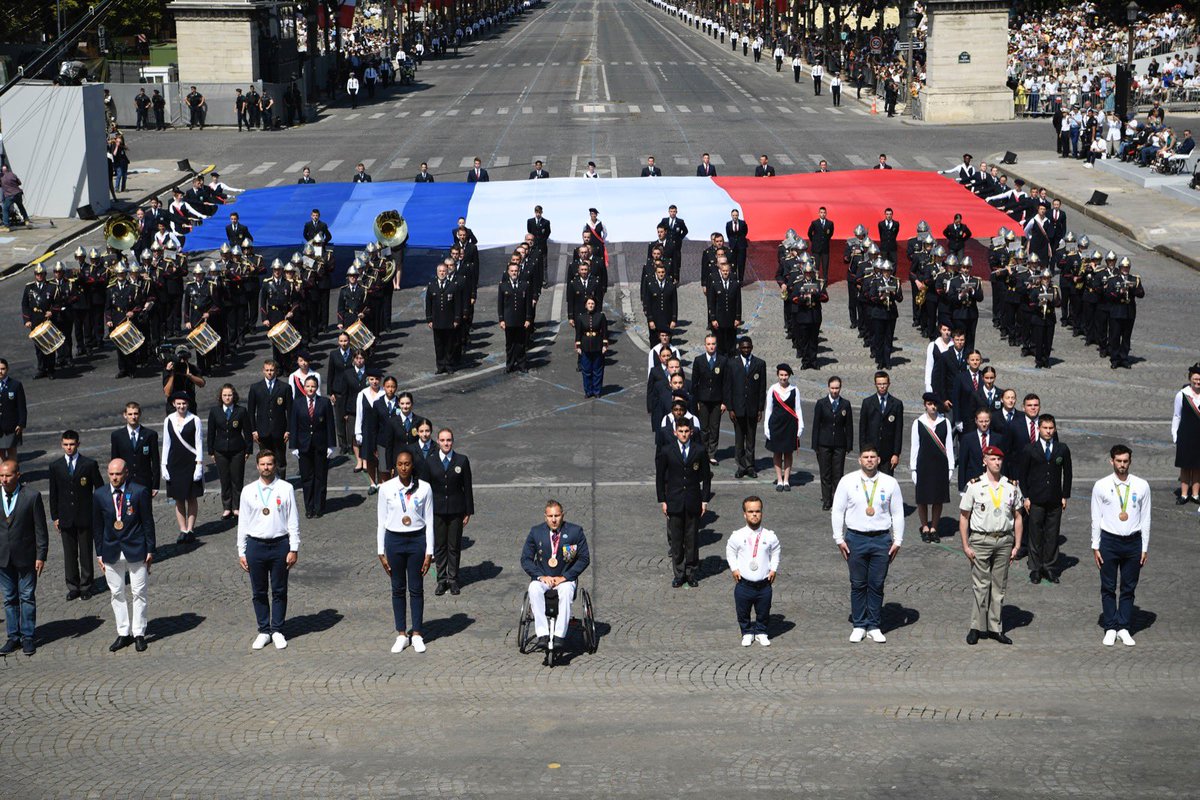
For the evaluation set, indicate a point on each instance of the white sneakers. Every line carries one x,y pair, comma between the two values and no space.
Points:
260,641
279,641
1125,638
1110,638
402,641
857,635
747,639
762,639
876,636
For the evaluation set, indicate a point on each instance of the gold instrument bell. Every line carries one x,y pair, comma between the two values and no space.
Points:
120,232
390,229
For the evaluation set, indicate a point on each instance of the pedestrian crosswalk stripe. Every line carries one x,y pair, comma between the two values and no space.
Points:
856,159
835,111
808,109
684,110
428,113
526,109
435,162
784,109
399,163
353,116
275,182
681,161
785,159
748,159
659,109
706,109
455,66
476,112
295,167
466,162
377,115
502,110
230,168
501,161
757,109
368,163
925,162
552,110
816,158
402,115
716,159
261,168
331,165
635,109
452,112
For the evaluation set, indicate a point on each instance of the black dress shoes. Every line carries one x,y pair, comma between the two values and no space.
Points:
454,590
73,595
741,473
440,590
85,595
9,647
972,636
139,643
1035,577
1050,576
1001,638
675,584
120,643
542,642
1181,500
692,582
559,642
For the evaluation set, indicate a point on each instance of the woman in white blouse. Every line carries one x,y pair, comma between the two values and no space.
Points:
783,424
183,464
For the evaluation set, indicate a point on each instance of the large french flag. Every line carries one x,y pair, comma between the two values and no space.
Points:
629,207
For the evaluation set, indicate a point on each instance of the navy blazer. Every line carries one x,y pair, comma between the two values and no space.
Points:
23,536
573,557
318,433
12,406
136,537
452,491
970,454
144,464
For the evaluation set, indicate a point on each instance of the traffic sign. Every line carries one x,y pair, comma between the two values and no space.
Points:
876,45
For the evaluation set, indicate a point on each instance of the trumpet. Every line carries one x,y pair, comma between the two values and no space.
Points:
1045,299
1128,283
968,288
888,289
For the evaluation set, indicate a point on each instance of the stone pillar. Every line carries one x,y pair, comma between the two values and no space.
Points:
966,62
217,40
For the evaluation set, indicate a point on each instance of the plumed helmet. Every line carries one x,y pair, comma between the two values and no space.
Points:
1097,255
1034,258
1069,238
1110,256
197,270
939,252
247,242
276,264
353,270
372,247
80,253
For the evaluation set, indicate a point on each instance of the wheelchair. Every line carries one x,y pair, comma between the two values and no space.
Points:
584,621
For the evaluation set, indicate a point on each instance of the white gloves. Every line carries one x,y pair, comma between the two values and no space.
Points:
198,474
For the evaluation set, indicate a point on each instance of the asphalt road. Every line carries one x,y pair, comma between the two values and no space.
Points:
670,705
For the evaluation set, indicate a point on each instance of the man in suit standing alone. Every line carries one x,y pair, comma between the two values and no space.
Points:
832,438
820,232
677,231
270,405
72,481
24,545
138,447
708,390
449,479
123,524
736,233
312,435
1044,474
881,422
745,400
683,479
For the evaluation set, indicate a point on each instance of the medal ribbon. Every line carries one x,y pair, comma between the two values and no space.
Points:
870,497
118,505
265,498
754,552
997,497
9,508
1124,497
555,538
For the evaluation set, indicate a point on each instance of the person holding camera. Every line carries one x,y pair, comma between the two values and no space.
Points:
180,375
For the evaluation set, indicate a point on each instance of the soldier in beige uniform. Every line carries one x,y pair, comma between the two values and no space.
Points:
990,526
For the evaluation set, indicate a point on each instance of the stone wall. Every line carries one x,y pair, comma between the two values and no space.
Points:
966,60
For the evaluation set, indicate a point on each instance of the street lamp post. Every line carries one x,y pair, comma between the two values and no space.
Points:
1125,100
912,16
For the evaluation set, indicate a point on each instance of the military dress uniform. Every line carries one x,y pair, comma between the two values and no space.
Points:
443,315
1042,300
805,294
1123,291
124,302
514,307
199,307
277,300
884,296
37,302
992,515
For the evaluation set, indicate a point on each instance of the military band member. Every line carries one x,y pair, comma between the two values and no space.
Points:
1068,263
1123,290
965,293
989,528
37,302
62,304
1042,299
884,295
802,304
1097,285
277,302
123,304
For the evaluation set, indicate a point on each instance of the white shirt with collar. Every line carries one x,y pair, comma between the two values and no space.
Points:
932,353
279,497
395,503
1106,508
739,552
297,375
850,506
652,358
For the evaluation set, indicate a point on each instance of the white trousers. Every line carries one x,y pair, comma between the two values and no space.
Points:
138,574
537,602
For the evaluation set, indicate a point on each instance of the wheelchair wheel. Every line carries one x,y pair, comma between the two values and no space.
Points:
523,637
588,621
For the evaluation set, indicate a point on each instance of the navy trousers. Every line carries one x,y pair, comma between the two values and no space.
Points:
267,560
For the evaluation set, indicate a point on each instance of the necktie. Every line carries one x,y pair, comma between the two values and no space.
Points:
360,376
1032,431
1047,452
975,380
270,387
983,441
685,453
747,366
446,462
311,408
712,362
555,537
71,466
133,438
883,404
228,412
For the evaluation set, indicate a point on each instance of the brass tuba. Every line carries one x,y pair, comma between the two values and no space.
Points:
390,229
119,232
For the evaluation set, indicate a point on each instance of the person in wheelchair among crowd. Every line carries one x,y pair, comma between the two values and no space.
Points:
554,556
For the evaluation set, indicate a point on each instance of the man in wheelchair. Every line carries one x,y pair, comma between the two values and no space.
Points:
554,556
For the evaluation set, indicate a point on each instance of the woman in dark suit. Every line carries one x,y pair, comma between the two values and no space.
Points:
591,345
120,162
230,443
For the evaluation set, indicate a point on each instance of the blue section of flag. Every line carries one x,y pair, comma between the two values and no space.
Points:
276,216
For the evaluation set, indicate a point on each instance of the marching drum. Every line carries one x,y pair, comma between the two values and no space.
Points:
360,335
48,338
127,337
203,338
284,336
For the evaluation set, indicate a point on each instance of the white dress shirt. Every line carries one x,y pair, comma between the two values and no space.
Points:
652,359
296,381
279,497
668,421
366,399
1106,508
393,508
196,448
739,552
850,506
932,352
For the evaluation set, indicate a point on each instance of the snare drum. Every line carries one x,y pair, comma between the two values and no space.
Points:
360,335
127,337
284,336
203,338
47,338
